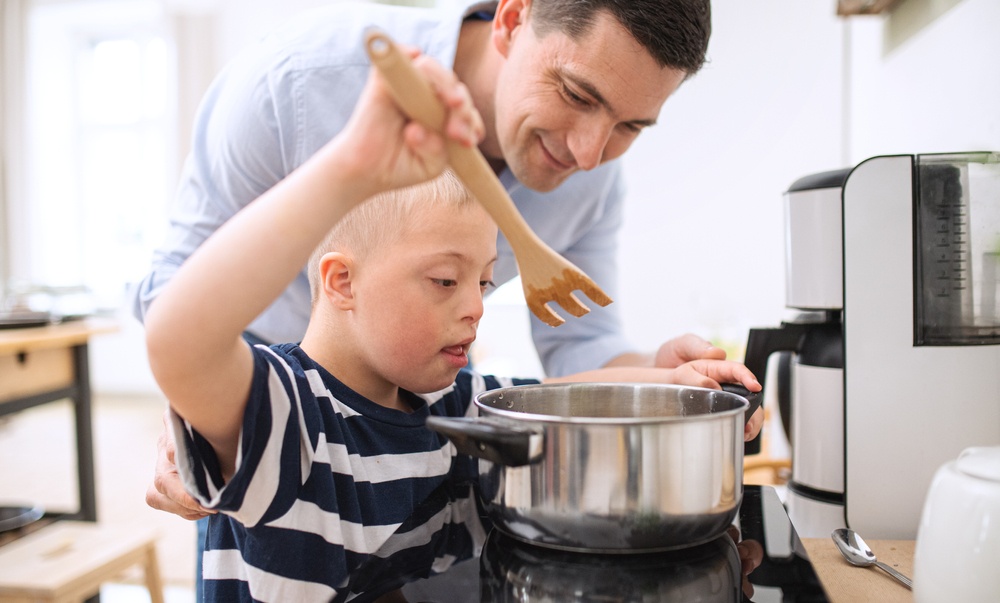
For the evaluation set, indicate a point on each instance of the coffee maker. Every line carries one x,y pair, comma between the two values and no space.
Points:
890,355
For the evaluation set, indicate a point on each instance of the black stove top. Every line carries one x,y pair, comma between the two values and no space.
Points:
509,570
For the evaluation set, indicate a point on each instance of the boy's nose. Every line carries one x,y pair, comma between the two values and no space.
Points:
472,305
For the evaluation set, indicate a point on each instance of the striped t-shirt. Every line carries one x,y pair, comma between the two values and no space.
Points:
329,486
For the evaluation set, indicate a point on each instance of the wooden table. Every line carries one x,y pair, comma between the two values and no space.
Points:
40,365
846,583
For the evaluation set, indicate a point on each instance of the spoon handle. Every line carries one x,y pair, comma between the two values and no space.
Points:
898,576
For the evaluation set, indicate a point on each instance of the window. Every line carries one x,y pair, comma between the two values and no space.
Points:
98,142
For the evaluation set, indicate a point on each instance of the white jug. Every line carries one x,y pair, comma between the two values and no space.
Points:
957,555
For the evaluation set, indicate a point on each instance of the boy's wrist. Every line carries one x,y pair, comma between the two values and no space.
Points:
346,168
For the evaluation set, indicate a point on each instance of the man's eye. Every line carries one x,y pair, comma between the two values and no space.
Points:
445,282
574,97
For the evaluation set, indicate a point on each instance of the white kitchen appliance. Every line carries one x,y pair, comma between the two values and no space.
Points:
892,272
958,544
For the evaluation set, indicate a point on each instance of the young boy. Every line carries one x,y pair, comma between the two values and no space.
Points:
317,453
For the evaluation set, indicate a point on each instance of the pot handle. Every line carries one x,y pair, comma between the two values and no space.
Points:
753,398
492,440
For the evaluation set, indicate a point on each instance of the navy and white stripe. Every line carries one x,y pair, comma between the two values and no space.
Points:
329,486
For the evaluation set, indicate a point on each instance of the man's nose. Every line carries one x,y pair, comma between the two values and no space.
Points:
588,141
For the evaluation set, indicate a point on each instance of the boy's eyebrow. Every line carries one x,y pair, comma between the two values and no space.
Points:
461,256
592,90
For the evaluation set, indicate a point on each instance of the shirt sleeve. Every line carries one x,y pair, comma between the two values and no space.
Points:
243,143
274,442
589,342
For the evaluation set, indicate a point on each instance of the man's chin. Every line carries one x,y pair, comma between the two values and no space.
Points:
542,183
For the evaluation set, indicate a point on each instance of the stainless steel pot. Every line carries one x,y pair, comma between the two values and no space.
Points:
607,467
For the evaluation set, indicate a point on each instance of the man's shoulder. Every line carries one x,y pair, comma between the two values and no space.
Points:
332,35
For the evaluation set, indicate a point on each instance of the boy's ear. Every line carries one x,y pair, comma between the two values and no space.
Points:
336,271
507,21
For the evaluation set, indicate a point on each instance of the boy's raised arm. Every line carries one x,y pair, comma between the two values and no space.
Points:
194,328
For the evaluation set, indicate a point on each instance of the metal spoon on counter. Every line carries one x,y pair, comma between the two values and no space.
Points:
856,551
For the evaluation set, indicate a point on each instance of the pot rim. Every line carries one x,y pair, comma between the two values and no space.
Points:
741,406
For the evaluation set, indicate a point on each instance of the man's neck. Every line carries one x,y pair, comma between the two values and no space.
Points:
477,63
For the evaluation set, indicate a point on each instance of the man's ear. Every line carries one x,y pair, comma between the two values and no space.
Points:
508,20
336,271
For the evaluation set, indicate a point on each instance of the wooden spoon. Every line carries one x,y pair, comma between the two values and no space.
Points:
546,276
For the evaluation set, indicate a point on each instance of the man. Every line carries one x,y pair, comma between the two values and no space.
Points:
564,88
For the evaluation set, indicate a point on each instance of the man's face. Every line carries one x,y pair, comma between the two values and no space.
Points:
563,105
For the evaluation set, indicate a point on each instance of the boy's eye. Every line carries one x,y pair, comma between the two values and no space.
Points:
486,285
445,282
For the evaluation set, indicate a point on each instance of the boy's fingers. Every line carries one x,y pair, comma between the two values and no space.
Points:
726,371
464,123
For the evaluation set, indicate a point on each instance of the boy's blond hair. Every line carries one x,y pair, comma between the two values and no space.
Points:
382,219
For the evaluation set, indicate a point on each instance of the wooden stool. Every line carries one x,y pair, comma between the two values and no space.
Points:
67,561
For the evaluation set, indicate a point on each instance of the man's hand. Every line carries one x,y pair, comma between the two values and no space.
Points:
671,354
686,348
167,493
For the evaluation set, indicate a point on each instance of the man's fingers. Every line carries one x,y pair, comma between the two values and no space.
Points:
686,348
754,425
692,347
167,493
170,495
158,501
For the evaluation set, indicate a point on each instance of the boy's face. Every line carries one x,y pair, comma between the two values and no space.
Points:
564,105
419,300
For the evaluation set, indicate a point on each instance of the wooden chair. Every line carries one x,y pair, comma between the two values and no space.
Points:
67,561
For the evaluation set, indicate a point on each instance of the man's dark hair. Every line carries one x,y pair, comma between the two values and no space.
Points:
675,32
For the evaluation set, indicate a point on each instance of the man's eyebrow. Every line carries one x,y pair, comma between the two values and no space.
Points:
589,88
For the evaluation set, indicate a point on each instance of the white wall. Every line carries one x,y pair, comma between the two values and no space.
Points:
937,90
704,227
702,249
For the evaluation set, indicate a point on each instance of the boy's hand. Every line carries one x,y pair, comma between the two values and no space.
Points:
388,149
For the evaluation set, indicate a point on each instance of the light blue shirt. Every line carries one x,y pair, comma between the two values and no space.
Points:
277,103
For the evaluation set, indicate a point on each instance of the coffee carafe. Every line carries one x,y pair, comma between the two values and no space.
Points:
892,344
